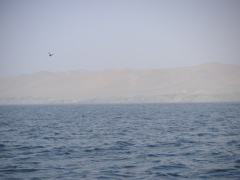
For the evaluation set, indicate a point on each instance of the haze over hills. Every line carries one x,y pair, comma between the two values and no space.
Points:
212,82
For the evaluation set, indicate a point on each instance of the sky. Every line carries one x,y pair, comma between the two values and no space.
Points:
96,35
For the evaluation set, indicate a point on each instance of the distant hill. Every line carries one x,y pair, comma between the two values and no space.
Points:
212,82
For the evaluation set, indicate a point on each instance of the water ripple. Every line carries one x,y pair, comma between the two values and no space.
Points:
149,141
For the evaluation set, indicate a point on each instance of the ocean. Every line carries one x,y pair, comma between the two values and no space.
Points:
120,141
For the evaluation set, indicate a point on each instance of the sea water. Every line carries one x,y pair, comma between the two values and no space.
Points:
120,141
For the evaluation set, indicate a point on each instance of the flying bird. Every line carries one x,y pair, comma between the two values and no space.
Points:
50,54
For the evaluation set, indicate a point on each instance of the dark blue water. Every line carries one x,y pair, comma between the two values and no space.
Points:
147,141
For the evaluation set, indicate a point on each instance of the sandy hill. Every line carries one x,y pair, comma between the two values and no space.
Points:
212,82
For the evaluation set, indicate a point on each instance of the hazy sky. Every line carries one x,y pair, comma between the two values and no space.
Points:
114,34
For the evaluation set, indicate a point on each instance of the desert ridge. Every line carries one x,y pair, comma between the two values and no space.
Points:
211,82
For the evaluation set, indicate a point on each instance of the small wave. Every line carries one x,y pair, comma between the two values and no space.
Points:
14,169
2,146
213,171
237,161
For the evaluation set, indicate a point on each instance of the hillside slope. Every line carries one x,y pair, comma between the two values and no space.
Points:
212,82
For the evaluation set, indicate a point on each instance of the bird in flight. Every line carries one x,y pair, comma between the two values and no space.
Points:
50,54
